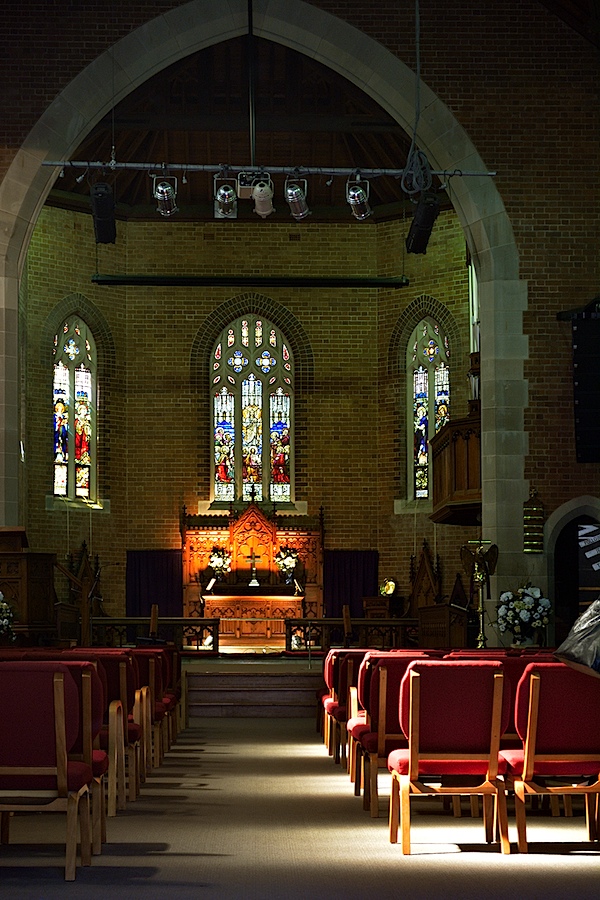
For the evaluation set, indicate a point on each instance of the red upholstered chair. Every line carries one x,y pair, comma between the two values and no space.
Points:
358,716
385,733
113,736
40,725
342,709
453,713
557,717
150,668
91,691
337,699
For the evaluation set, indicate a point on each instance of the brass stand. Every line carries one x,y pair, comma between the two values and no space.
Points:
480,563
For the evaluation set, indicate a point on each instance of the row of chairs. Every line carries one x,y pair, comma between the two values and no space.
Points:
81,725
465,723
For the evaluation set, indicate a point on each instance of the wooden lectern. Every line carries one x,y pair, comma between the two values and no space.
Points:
27,583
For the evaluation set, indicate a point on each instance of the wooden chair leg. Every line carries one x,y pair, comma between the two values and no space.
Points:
502,819
405,814
591,816
520,816
456,807
488,817
366,768
394,809
474,806
98,809
374,788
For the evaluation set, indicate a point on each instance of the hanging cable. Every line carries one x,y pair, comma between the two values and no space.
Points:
251,87
416,177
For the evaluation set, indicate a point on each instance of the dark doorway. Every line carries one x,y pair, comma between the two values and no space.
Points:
576,577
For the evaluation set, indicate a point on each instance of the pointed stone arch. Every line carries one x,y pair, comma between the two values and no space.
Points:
369,65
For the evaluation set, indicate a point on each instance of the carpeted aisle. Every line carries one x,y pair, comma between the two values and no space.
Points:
255,809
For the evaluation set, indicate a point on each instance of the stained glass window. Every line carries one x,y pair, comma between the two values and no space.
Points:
252,401
74,411
429,380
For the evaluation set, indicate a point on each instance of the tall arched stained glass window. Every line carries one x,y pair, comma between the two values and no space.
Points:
429,402
252,375
74,411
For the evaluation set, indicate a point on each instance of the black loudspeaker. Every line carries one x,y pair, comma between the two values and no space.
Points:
586,388
103,210
426,213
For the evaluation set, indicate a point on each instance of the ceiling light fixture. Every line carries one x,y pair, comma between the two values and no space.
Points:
295,194
225,199
165,194
357,195
262,194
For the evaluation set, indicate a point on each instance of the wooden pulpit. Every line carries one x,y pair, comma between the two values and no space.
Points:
27,583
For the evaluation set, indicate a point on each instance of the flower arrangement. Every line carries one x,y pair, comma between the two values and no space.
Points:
523,611
286,559
6,620
220,561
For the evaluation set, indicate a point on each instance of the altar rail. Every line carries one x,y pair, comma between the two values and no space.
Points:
184,631
321,634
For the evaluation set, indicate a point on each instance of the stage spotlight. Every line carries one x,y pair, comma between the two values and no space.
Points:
165,194
225,201
295,195
358,198
103,211
419,233
262,194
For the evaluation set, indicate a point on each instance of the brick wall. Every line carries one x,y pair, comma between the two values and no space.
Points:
524,87
154,421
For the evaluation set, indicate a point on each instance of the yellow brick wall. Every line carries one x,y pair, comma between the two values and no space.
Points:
154,429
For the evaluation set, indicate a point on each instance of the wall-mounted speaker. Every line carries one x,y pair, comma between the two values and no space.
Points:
426,213
586,388
103,211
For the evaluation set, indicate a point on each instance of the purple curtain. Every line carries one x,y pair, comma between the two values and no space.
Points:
348,576
154,576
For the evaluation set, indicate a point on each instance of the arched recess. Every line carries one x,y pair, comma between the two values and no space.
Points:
77,304
369,65
418,309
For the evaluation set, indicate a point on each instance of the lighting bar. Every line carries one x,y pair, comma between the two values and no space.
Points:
247,280
298,171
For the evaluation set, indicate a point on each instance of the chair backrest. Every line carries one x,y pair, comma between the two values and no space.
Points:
384,707
119,672
568,714
348,673
91,694
40,723
456,705
150,667
76,654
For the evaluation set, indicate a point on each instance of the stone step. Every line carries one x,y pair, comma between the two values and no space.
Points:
251,694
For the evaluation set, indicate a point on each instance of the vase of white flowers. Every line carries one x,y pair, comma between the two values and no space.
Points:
286,559
524,612
7,635
220,562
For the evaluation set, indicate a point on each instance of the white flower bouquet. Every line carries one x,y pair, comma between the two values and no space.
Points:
6,619
220,561
523,612
286,559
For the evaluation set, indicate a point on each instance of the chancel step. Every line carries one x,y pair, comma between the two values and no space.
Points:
252,694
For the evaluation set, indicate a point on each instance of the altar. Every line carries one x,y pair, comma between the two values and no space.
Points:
233,571
253,616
